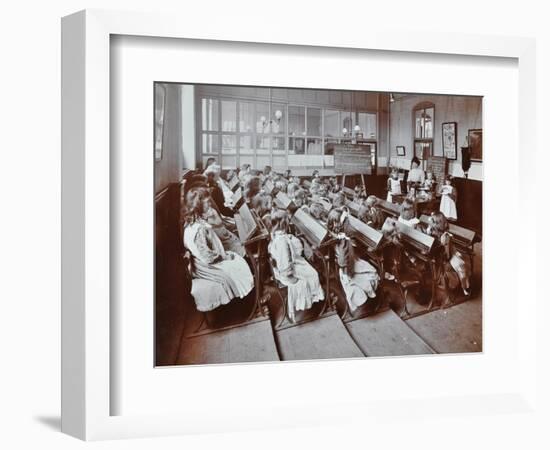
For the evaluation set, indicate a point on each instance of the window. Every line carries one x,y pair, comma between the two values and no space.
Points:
209,114
237,131
423,129
367,123
229,116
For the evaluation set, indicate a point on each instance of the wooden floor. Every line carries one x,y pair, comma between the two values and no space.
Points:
248,343
457,329
386,334
324,338
453,330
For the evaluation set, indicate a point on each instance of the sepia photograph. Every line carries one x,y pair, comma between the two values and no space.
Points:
313,224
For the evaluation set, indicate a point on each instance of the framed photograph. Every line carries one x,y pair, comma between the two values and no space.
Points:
475,143
448,136
400,150
113,234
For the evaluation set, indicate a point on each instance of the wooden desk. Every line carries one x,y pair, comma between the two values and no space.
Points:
254,236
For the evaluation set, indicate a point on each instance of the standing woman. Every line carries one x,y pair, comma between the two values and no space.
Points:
359,279
210,260
416,174
291,268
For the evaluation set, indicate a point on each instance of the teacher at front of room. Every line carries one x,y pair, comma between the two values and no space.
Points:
416,174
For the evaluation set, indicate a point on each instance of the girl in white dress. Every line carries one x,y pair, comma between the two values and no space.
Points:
290,267
359,279
210,260
394,185
407,214
448,199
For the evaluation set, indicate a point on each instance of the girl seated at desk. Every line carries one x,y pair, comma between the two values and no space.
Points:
244,172
210,260
359,194
333,186
390,248
407,213
455,263
211,215
290,268
370,214
220,193
252,187
339,200
359,279
262,203
317,211
300,198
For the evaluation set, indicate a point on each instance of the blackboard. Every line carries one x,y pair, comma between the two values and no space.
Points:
352,158
438,166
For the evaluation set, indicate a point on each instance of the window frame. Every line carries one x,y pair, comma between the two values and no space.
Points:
274,105
423,106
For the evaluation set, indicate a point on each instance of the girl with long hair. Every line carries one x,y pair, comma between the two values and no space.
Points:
290,267
455,263
210,260
359,278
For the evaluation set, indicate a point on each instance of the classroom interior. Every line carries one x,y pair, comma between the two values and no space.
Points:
317,154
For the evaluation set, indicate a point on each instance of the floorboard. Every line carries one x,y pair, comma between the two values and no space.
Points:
386,334
325,338
247,343
457,329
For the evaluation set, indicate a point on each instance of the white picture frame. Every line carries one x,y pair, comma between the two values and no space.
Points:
86,287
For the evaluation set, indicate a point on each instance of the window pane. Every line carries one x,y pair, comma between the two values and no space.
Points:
245,145
428,123
329,146
229,116
314,147
367,122
209,114
332,122
313,122
347,123
296,120
278,113
279,163
229,144
229,162
262,142
210,143
419,124
246,117
422,150
262,118
296,146
278,144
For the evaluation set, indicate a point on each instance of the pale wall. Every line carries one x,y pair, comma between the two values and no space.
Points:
466,111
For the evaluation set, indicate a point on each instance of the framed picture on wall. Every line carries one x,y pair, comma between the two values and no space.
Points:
448,135
400,150
475,144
